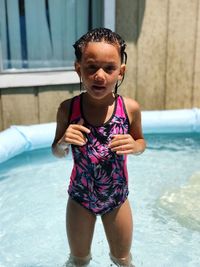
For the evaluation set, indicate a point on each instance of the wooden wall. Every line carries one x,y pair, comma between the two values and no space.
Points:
163,37
163,70
32,105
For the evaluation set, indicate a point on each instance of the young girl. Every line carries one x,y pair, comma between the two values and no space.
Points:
102,127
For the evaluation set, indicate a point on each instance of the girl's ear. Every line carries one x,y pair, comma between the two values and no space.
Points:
77,68
122,72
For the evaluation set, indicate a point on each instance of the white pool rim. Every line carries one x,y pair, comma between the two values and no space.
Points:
18,138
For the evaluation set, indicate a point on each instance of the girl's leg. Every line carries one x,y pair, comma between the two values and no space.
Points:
118,225
80,225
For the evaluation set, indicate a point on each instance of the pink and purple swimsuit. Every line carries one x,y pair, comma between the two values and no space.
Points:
99,178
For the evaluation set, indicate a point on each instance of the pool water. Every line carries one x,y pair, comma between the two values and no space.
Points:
164,187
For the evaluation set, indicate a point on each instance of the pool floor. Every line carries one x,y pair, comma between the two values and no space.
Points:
33,200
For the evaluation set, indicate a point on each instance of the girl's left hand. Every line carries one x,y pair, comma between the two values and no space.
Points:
124,144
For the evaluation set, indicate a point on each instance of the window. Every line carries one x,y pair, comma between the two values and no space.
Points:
39,34
36,38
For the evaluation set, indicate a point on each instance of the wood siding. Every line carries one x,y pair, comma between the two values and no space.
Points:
163,52
32,105
163,70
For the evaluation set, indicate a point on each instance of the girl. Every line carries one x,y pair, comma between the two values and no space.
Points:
102,127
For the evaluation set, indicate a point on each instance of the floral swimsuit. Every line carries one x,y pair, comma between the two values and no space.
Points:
99,178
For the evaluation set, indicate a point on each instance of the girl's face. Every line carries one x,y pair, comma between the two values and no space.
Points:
100,68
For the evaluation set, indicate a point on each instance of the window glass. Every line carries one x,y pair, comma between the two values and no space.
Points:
39,34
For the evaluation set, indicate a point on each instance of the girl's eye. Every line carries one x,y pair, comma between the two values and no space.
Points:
91,68
109,69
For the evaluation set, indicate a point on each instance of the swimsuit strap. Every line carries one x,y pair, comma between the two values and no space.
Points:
120,109
75,110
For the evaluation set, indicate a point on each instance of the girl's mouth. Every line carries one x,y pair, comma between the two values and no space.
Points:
98,87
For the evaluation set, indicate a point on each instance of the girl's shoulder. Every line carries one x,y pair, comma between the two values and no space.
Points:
132,109
65,106
131,104
64,111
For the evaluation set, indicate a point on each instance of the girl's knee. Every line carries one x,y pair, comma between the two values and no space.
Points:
76,261
125,262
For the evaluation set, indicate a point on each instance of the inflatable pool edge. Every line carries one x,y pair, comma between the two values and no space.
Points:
19,138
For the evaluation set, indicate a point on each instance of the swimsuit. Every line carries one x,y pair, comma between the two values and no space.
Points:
99,178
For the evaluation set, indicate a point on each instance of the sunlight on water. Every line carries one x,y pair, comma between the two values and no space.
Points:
183,203
164,194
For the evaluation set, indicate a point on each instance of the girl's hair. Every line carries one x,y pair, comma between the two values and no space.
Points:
99,35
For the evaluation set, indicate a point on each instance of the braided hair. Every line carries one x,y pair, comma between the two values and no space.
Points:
99,35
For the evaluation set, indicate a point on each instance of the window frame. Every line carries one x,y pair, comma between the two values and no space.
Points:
40,77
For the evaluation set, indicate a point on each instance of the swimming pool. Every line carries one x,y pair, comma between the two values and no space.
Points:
164,194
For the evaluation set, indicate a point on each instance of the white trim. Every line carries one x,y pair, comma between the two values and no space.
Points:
109,14
38,79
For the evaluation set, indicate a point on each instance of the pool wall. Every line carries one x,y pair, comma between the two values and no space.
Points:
18,139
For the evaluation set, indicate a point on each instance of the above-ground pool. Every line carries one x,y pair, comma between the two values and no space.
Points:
164,194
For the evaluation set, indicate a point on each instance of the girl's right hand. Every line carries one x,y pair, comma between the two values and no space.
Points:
76,134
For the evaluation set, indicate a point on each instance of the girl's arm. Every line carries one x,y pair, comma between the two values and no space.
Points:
59,146
134,142
134,113
67,133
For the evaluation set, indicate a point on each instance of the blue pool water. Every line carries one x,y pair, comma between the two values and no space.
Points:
164,187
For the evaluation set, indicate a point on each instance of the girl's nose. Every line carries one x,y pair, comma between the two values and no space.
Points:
99,75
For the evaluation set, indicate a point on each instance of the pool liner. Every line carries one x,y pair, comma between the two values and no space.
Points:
171,121
12,143
38,135
19,138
